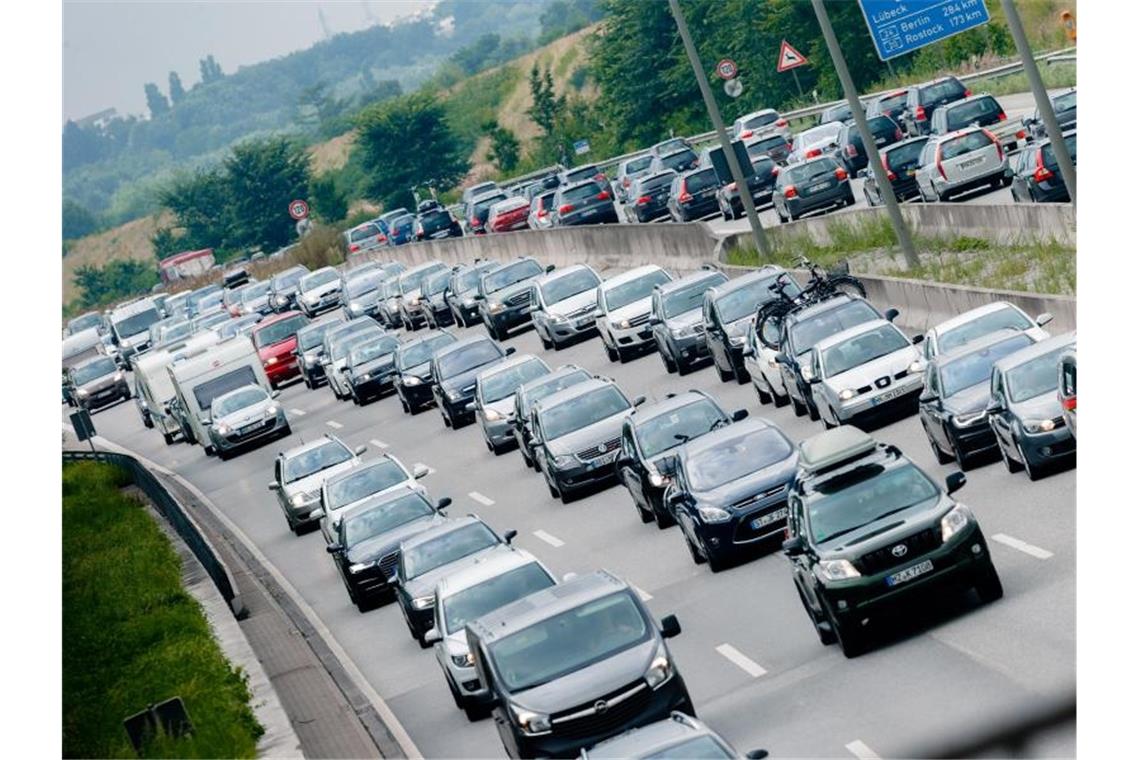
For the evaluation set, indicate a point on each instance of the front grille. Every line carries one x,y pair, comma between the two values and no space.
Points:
594,451
916,545
640,319
585,311
585,721
253,430
387,563
519,299
756,498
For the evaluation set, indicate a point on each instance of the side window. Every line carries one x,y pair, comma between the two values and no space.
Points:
277,470
628,450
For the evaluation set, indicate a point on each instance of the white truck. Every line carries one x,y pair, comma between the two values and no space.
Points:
200,378
130,327
154,390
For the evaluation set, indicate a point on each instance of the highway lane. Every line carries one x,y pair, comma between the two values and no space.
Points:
793,696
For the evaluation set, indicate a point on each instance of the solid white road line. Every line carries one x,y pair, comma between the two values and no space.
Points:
645,595
1021,546
861,750
298,412
334,424
734,655
378,443
544,536
476,496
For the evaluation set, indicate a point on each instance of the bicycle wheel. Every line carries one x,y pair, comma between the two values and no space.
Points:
769,317
848,285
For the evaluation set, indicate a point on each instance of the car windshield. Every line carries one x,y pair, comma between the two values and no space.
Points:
734,459
309,339
446,548
1065,102
581,192
688,298
810,171
701,180
891,102
585,410
468,279
136,323
823,133
569,641
435,283
581,173
493,593
364,481
679,159
328,454
765,144
418,353
364,283
639,164
1050,160
79,324
346,344
410,281
175,331
372,349
863,348
983,110
555,384
626,293
279,331
744,301
663,432
404,223
974,367
497,385
944,90
287,280
385,517
255,291
99,368
317,279
967,143
364,231
468,357
510,274
845,506
702,747
807,333
239,399
568,285
906,155
1007,318
1035,377
206,392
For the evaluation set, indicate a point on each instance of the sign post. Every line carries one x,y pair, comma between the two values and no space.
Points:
791,59
83,426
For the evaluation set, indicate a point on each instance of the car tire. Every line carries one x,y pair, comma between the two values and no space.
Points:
761,395
827,423
867,197
148,422
988,585
742,376
813,412
698,558
286,431
446,419
940,456
645,515
554,492
851,641
663,518
797,408
611,353
211,451
454,693
1035,472
961,458
1011,465
822,627
715,562
404,405
724,375
670,365
168,439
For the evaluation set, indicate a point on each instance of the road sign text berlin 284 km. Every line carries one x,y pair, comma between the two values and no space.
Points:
901,26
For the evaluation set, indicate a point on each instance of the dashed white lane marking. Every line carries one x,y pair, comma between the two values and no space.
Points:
542,535
430,470
298,412
861,750
334,424
1021,546
476,496
645,595
737,658
378,443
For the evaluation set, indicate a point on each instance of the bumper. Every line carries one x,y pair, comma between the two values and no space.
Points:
103,397
456,410
323,305
282,369
571,328
975,439
698,209
871,405
507,319
805,204
747,532
369,583
590,216
581,474
257,431
687,349
761,196
467,682
415,395
314,371
301,515
414,316
374,385
499,432
971,184
1046,448
648,213
629,337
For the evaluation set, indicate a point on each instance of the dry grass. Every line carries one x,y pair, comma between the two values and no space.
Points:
331,155
127,241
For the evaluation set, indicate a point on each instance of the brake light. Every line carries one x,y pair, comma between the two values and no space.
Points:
775,170
1069,404
600,177
354,248
781,122
474,221
565,208
789,146
1042,173
790,191
968,93
841,174
382,238
851,150
643,200
938,161
604,195
746,134
813,152
898,134
1020,134
919,113
684,196
1001,116
541,212
887,168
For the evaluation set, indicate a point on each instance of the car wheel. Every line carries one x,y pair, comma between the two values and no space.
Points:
822,627
961,458
645,515
813,411
554,493
698,558
799,409
853,642
210,451
716,562
827,423
663,517
168,438
670,365
989,586
1011,465
725,375
778,401
762,395
867,196
611,354
446,419
1035,472
939,455
1006,180
404,405
223,455
454,693
742,376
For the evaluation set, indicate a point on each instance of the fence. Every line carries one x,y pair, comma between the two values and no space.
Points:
174,513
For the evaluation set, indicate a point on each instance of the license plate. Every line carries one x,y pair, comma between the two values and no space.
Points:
880,140
440,234
771,517
589,212
971,163
891,394
922,568
584,322
603,460
249,428
817,188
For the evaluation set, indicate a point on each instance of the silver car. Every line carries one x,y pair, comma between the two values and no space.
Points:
961,161
361,294
999,315
864,372
565,305
364,238
299,473
339,346
624,304
495,397
679,735
764,121
255,298
243,416
319,291
342,492
98,382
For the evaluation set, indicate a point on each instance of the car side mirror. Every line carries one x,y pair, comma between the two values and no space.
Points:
443,504
510,536
927,397
511,350
419,471
1044,319
739,414
360,450
756,754
782,358
334,548
549,268
667,466
917,339
994,406
344,370
432,636
891,314
639,401
670,627
955,481
274,486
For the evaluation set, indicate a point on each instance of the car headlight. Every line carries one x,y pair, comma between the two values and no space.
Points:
363,377
469,302
311,298
412,380
531,723
310,360
453,395
494,307
915,367
624,324
300,498
359,567
954,520
736,340
558,318
463,660
660,670
423,602
83,392
223,429
965,420
1038,426
270,410
656,479
713,514
847,394
564,460
355,307
684,332
119,377
414,301
835,570
491,415
271,360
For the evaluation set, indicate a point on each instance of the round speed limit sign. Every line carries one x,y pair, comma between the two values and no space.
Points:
726,68
299,210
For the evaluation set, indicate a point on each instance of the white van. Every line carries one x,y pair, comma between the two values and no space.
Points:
198,379
130,326
154,390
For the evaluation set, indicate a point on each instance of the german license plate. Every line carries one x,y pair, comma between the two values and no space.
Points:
440,234
604,460
922,568
891,394
584,322
880,140
972,163
817,188
771,517
589,212
249,428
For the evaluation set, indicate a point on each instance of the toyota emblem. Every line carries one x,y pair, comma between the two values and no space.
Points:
601,706
899,551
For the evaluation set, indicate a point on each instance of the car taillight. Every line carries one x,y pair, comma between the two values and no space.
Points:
813,152
1020,134
730,187
968,93
790,191
1001,116
600,177
851,150
1069,404
604,195
474,221
781,122
746,134
1042,173
565,208
919,113
354,248
382,238
542,212
898,133
643,200
841,174
684,196
887,168
938,161
775,170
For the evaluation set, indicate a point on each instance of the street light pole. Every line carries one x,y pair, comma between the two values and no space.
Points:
718,125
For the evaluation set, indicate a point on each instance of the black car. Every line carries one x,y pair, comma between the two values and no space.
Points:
428,557
576,663
586,202
693,195
1064,108
435,307
818,184
952,407
411,299
839,112
463,289
677,322
922,99
901,161
728,311
479,207
413,369
869,531
1037,176
371,368
773,145
530,393
504,295
760,184
437,222
366,543
649,196
652,433
728,491
849,151
890,104
453,371
680,160
283,288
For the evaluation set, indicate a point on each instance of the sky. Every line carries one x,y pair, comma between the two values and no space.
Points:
111,49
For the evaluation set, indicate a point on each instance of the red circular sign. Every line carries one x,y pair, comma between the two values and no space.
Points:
726,68
299,210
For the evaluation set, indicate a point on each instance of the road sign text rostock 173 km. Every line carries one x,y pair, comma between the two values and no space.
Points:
901,26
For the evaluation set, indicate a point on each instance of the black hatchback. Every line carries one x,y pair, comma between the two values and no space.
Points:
587,202
649,196
850,151
692,196
901,161
437,223
922,99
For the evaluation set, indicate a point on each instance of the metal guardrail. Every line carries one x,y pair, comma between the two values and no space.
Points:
174,513
1008,735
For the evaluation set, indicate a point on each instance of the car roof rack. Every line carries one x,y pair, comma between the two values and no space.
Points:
835,447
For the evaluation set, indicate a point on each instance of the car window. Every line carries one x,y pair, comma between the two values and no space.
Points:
468,357
863,348
582,192
1035,377
509,274
701,180
765,144
807,333
717,465
499,384
974,367
493,593
364,283
206,392
891,102
663,432
761,120
328,454
568,285
383,518
1007,318
946,89
810,171
1049,159
239,399
556,384
982,110
279,331
634,290
365,481
845,506
92,370
905,156
316,279
443,549
585,410
679,160
1065,102
412,280
963,144
418,353
255,291
688,298
743,301
364,231
372,349
638,164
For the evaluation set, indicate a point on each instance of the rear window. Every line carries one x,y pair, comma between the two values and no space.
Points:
701,180
581,173
368,230
509,274
762,146
679,160
948,89
906,155
1050,160
891,102
279,331
983,110
967,143
638,164
656,182
205,393
485,204
811,170
1065,102
582,192
761,120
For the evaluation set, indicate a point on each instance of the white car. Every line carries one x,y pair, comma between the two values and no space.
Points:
319,291
624,303
999,315
348,489
814,142
764,121
961,161
565,305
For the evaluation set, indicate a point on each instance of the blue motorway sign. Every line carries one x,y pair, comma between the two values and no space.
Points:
902,26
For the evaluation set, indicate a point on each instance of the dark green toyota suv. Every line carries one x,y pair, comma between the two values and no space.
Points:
869,530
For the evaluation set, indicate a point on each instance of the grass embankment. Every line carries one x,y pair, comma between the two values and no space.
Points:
133,636
870,247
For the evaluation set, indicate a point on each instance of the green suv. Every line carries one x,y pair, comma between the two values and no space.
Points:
868,530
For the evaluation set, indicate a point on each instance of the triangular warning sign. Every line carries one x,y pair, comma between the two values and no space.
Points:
789,58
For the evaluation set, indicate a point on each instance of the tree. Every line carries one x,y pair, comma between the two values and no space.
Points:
165,243
119,279
262,177
504,147
81,146
209,69
177,91
547,106
156,102
200,203
328,201
77,220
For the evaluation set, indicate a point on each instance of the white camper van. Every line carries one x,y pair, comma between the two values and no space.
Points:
198,379
154,390
130,326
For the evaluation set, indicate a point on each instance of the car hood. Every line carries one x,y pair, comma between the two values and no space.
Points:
254,413
590,683
503,406
591,435
424,584
866,374
279,349
99,383
887,530
631,310
322,290
365,299
377,546
1043,407
422,371
466,379
739,328
313,482
456,643
379,364
752,484
685,319
969,400
587,299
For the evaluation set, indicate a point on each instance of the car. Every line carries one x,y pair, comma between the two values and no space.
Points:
495,395
275,339
480,188
175,306
818,184
231,300
565,305
528,394
952,407
169,329
283,288
86,321
1024,411
255,299
625,302
840,112
764,121
436,222
581,174
1037,176
361,294
366,542
869,531
504,295
238,326
587,202
649,197
508,215
866,373
411,298
729,309
388,310
492,581
319,291
773,145
890,104
98,382
341,493
539,216
760,184
365,238
676,319
429,557
1064,109
922,99
434,300
849,151
464,290
310,344
386,221
574,664
900,161
814,142
403,230
299,472
235,277
1067,388
338,344
628,172
979,111
479,207
209,320
371,368
652,433
975,323
679,735
693,195
454,368
204,301
413,369
672,145
577,435
680,160
243,416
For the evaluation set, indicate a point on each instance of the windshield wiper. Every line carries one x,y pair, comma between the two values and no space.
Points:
873,519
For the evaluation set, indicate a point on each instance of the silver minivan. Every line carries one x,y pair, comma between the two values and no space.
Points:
961,161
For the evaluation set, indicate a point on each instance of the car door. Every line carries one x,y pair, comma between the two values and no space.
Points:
816,389
801,565
930,412
1001,420
714,335
538,313
788,371
631,468
925,168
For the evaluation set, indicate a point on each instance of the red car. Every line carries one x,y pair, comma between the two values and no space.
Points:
509,215
275,339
